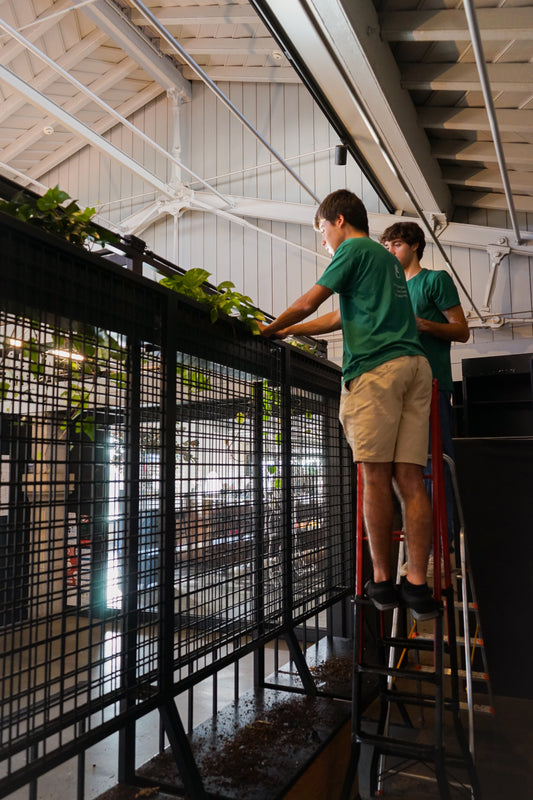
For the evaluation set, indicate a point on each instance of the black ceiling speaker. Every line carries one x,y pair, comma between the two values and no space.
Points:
341,152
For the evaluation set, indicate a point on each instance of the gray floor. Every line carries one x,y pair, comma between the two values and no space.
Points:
503,756
503,749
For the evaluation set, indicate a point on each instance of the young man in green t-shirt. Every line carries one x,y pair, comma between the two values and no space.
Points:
440,321
386,391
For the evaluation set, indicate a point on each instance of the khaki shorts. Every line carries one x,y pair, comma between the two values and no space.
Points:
385,412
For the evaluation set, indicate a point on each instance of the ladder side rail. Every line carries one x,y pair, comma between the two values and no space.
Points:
466,619
467,583
440,524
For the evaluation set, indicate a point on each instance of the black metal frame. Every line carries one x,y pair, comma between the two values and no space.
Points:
162,650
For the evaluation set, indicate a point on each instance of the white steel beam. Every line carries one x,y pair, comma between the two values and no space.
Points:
77,103
80,129
167,36
45,77
477,237
339,42
67,150
88,93
109,18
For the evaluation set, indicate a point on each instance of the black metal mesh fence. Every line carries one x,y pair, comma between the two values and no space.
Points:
169,492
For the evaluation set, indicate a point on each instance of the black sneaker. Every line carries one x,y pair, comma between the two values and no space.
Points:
419,599
384,595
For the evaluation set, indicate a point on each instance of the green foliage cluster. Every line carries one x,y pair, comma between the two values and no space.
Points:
47,212
225,300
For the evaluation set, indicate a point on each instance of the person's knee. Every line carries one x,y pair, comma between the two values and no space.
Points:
377,473
410,479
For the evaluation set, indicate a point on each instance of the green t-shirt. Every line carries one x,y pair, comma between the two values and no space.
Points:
377,318
431,293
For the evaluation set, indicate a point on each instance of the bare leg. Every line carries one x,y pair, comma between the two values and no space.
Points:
418,519
378,513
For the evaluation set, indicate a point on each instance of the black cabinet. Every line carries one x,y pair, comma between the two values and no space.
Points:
495,477
498,395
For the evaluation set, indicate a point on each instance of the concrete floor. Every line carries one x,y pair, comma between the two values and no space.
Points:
503,750
503,757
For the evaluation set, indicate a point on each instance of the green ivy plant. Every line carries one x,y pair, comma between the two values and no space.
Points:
68,221
225,300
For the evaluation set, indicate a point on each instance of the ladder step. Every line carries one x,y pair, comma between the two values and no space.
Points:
478,708
395,672
409,698
416,643
458,640
481,677
398,747
471,606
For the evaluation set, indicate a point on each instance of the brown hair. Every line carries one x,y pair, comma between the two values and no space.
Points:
408,232
346,203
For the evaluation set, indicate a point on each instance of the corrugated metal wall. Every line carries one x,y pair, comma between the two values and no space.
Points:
218,147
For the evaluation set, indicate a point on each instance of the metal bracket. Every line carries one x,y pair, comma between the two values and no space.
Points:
496,253
438,222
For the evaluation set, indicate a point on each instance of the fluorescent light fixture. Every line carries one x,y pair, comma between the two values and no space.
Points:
14,342
66,354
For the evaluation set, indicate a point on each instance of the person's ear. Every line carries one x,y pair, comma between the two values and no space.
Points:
340,221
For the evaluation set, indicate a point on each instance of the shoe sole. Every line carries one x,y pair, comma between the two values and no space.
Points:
384,606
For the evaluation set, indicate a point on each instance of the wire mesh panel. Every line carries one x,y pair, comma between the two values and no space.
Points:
63,385
170,493
321,502
220,509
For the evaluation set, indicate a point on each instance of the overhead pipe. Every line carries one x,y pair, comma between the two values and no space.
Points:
477,45
176,46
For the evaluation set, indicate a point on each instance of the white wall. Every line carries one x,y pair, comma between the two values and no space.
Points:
219,149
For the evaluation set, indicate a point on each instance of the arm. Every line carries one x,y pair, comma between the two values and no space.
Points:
299,310
324,324
455,330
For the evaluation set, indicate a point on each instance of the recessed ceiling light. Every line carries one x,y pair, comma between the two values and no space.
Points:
48,130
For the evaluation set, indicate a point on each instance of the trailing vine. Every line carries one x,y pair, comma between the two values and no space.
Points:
69,222
224,300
